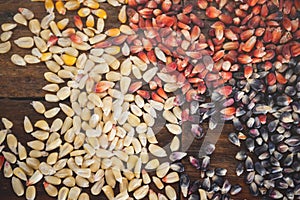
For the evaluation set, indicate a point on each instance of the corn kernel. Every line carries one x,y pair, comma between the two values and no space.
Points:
113,32
68,60
100,13
90,21
46,56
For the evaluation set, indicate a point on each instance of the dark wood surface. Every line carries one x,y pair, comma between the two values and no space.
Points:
20,85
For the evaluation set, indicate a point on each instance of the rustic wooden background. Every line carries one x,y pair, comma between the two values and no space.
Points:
20,85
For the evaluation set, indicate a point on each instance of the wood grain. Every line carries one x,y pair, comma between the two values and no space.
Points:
19,82
20,85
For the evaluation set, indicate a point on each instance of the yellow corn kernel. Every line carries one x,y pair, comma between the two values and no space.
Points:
100,13
90,21
68,60
84,12
122,15
91,4
49,5
46,56
62,23
72,5
60,7
169,60
113,32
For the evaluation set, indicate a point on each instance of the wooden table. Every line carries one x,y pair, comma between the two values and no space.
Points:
20,85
